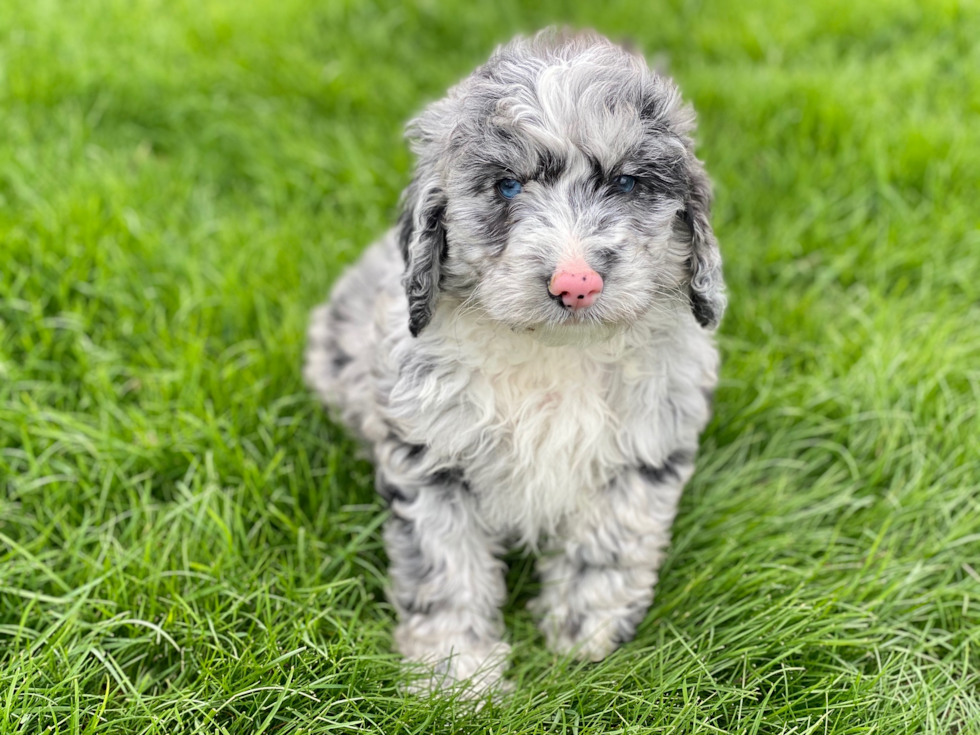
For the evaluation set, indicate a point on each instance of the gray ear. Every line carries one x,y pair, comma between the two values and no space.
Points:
707,288
422,239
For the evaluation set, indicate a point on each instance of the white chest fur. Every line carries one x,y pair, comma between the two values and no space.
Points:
540,430
553,432
534,427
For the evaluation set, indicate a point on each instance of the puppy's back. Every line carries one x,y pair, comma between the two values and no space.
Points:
344,334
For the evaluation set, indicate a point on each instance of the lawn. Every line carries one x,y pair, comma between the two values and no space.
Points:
187,544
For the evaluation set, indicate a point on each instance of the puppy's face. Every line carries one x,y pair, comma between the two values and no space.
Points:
557,192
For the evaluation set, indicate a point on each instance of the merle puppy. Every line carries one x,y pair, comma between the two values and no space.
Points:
528,354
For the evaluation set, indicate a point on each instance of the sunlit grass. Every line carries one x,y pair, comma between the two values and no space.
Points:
187,545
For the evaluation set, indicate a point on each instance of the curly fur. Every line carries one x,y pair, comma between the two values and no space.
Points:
494,414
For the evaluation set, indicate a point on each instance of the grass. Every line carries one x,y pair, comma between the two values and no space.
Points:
188,545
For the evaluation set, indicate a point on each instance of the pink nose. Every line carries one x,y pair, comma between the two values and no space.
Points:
577,285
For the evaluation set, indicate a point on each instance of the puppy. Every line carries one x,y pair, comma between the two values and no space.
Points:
528,354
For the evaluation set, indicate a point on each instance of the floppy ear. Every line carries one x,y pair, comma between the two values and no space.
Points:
422,239
707,287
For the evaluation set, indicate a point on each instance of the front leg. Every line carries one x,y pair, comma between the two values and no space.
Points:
599,582
448,584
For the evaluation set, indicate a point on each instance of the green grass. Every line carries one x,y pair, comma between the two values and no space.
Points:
188,545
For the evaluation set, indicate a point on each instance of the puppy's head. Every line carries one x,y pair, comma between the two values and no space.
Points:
557,192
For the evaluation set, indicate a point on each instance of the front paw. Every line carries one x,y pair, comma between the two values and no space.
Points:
452,662
589,627
587,635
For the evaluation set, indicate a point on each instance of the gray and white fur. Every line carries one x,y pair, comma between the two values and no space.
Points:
495,414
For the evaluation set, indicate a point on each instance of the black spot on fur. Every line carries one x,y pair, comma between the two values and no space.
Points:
338,314
585,561
390,492
494,223
412,566
412,605
449,476
572,625
686,221
669,471
550,167
703,310
597,174
411,452
653,111
339,360
662,176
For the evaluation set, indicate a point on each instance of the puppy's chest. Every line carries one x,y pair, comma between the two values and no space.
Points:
547,442
549,409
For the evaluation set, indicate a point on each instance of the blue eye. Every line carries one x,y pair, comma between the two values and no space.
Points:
509,188
624,183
